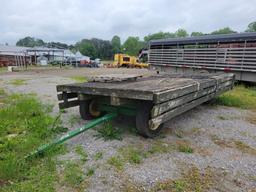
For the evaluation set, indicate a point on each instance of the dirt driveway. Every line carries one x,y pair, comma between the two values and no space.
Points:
210,148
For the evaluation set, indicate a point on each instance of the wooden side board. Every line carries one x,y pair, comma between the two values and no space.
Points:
155,122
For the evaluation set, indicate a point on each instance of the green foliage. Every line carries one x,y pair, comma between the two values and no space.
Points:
117,162
18,82
73,174
159,35
116,44
241,96
194,34
132,46
30,42
108,132
181,33
80,151
25,124
225,30
95,48
251,27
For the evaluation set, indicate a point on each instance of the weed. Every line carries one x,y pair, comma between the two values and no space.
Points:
80,151
18,82
131,154
241,96
79,79
73,120
159,147
241,146
108,132
117,162
25,124
90,172
192,180
184,147
73,175
98,156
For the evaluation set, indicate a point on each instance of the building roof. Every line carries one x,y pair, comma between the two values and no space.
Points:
205,39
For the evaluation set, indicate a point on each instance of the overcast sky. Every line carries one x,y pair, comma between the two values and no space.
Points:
71,20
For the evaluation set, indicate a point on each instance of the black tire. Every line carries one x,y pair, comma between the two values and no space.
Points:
84,109
142,120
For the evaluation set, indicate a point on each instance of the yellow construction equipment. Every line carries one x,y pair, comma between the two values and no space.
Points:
123,60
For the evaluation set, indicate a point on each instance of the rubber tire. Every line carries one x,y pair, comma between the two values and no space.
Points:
142,118
84,110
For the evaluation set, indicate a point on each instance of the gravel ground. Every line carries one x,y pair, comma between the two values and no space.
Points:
210,131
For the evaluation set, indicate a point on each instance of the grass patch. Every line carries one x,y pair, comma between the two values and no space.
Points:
90,172
117,162
131,154
80,151
192,180
98,156
73,175
79,79
109,132
241,96
18,82
25,124
184,147
239,145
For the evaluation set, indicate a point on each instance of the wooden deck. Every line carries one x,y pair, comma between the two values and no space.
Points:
158,88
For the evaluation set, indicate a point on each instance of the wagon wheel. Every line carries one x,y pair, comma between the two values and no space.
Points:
88,109
142,120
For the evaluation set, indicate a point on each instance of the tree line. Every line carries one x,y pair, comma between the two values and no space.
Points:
105,49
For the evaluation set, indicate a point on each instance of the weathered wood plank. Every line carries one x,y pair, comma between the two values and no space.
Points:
69,104
67,95
166,106
155,122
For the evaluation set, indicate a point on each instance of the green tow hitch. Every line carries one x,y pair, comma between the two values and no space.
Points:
71,134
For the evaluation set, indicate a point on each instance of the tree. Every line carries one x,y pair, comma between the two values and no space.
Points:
116,44
225,30
251,27
181,33
30,42
194,34
86,48
133,45
159,35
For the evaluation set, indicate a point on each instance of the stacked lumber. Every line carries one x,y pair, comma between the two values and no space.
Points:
172,102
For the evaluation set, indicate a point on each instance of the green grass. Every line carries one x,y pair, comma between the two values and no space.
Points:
192,180
25,124
79,79
18,82
109,132
90,172
117,162
98,156
80,151
132,155
241,97
73,175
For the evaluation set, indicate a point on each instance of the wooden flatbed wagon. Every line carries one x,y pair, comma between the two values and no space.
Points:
153,100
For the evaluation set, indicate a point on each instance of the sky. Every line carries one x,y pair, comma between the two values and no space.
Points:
69,21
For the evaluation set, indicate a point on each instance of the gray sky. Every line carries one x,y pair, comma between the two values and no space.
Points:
71,20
